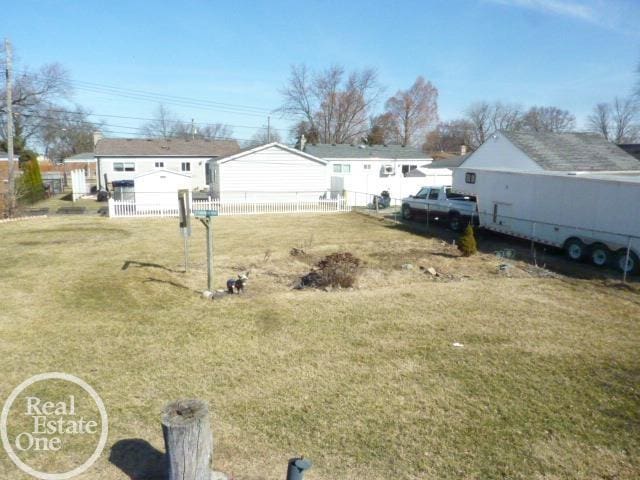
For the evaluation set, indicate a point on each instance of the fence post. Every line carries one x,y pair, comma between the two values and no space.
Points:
188,440
626,262
111,207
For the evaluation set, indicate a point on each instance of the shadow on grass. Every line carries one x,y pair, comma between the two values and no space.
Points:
169,282
135,263
138,459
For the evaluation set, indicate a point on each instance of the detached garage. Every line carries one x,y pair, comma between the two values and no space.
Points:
159,188
272,172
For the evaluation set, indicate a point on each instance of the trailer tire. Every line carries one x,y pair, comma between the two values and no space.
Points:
632,267
455,222
600,255
575,249
406,211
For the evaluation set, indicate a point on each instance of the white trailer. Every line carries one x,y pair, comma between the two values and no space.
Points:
589,215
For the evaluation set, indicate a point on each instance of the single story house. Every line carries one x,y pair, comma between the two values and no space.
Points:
370,169
82,161
271,172
122,159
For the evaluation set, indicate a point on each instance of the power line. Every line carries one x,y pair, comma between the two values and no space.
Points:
141,95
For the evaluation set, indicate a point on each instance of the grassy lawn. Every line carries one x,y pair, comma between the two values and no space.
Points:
365,382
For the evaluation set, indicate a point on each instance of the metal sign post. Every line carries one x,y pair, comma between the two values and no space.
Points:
206,218
185,223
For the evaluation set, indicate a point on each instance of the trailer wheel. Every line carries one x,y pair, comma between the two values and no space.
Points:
600,255
406,212
575,249
632,265
455,222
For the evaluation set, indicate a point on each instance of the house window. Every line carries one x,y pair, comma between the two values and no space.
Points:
186,166
124,167
407,168
342,168
367,166
470,177
159,164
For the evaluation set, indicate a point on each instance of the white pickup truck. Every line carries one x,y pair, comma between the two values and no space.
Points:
441,203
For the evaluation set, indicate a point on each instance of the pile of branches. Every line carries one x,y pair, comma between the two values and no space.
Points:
338,270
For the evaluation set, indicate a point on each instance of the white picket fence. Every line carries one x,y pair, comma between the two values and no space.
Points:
123,208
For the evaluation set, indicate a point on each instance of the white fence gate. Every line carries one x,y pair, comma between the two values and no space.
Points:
123,208
78,184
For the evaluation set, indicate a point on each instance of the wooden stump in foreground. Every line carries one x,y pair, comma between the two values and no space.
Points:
188,440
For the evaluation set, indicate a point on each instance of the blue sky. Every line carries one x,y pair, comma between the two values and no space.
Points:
567,53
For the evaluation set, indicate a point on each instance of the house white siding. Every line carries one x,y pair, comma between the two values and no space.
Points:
373,175
196,168
273,172
498,153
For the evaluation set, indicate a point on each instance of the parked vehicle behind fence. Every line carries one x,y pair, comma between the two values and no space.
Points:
441,203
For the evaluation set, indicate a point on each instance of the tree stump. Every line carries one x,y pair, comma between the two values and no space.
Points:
188,440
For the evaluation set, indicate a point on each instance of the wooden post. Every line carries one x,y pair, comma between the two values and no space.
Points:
188,440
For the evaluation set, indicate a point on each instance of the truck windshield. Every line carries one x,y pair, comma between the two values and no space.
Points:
422,193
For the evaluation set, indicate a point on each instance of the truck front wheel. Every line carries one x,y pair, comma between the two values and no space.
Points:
575,249
455,222
630,265
406,212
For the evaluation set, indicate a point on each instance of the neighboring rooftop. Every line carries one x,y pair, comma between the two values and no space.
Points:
343,150
81,157
140,147
573,151
632,149
451,162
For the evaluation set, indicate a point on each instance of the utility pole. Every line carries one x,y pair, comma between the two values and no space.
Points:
193,129
269,129
11,194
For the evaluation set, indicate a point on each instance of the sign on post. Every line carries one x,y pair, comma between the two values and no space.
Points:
205,213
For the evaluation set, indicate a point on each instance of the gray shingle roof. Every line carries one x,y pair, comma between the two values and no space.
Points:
327,150
139,147
572,151
452,162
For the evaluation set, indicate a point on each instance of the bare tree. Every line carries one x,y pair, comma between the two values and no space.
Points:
617,121
414,110
624,115
66,133
488,118
383,130
479,116
449,136
600,120
262,137
164,124
210,131
329,104
548,119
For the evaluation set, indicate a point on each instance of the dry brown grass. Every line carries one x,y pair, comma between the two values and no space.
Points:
364,381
